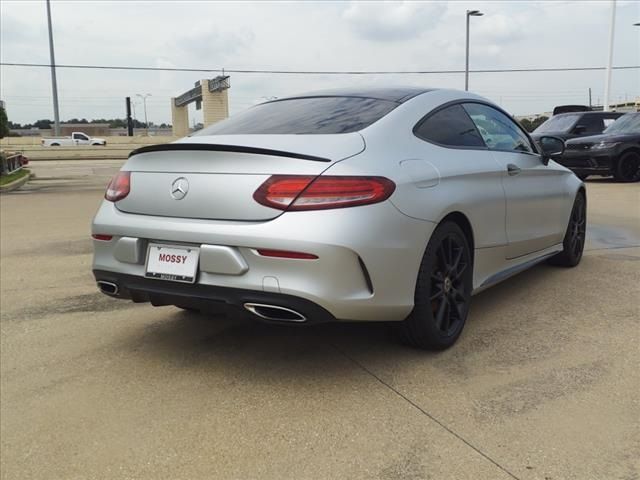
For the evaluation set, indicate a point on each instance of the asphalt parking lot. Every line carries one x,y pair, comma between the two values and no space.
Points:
543,383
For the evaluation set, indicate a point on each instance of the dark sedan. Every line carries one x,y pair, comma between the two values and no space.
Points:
615,152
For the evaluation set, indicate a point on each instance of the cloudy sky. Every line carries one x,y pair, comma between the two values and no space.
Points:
308,36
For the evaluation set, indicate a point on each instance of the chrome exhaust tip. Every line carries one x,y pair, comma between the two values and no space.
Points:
274,312
107,288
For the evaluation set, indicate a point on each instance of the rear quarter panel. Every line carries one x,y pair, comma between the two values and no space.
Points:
432,181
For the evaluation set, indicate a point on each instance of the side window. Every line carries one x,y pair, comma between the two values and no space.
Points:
498,130
592,123
450,126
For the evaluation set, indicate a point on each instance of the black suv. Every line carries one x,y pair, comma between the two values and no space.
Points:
575,124
615,152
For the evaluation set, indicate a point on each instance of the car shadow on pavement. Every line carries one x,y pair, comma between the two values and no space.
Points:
252,349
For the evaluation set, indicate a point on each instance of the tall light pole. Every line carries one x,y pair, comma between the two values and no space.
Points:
144,103
607,78
54,82
470,13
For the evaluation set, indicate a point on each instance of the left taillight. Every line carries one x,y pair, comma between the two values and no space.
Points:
302,192
118,187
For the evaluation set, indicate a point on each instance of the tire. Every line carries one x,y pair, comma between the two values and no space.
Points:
627,168
573,243
443,291
55,144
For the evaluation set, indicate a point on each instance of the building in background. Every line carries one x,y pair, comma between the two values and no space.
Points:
91,129
625,107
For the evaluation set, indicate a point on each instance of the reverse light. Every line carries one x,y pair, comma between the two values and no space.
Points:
266,252
304,192
118,187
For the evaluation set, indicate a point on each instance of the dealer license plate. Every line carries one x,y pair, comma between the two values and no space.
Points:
172,262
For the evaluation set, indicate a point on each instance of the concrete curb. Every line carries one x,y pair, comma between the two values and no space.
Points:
15,184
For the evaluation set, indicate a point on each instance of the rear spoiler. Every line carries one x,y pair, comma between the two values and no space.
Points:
210,147
571,108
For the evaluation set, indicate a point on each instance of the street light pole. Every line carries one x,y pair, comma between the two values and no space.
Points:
470,13
54,82
144,103
607,79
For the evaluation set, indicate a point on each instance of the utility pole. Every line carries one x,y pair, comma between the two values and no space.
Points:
144,102
607,80
133,106
129,121
54,83
470,13
589,98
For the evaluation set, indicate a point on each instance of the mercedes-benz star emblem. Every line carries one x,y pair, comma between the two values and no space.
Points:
179,188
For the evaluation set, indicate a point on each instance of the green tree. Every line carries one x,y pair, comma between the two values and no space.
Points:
4,123
539,121
531,125
116,123
43,124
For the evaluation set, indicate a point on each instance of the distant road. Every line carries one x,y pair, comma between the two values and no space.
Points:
54,175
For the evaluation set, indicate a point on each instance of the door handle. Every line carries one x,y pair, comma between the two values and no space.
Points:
513,169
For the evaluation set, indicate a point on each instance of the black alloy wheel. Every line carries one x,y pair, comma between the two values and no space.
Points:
628,167
448,304
574,239
443,291
578,228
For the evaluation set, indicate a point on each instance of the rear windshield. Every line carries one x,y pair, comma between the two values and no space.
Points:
315,115
561,123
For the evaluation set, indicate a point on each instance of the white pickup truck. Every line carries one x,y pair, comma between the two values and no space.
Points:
76,138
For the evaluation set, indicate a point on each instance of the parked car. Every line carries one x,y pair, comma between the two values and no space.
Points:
576,124
615,152
390,204
76,138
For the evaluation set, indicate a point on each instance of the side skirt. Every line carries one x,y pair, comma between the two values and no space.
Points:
487,276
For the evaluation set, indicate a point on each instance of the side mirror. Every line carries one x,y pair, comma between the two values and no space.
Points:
551,148
578,129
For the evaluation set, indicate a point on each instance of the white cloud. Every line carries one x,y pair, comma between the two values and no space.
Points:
307,36
391,21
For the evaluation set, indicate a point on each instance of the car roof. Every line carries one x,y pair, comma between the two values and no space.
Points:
391,94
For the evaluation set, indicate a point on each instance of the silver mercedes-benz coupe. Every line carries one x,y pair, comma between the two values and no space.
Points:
387,204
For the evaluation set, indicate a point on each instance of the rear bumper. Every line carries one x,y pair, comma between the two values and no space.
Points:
209,298
367,265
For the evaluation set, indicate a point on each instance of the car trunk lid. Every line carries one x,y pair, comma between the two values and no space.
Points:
215,177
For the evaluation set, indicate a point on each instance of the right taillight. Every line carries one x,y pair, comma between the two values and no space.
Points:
118,187
304,192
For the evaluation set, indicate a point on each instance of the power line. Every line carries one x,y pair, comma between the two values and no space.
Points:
317,72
